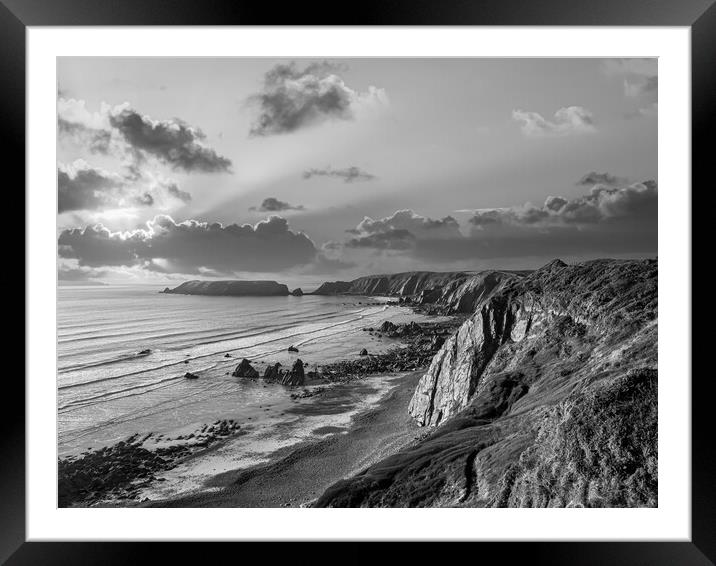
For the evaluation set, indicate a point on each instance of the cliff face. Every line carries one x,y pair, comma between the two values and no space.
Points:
333,288
231,288
546,396
458,292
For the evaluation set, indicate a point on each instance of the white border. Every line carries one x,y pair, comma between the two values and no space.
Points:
670,521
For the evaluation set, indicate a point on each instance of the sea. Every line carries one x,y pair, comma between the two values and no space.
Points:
123,352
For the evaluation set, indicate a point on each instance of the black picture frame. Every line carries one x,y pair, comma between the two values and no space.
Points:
699,15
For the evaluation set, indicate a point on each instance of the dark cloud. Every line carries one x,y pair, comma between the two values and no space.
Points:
389,240
603,205
566,121
173,142
272,204
83,187
191,246
419,226
86,188
293,98
607,220
132,136
348,174
594,178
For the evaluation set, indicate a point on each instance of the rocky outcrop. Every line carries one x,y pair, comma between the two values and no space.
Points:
297,292
296,376
245,369
273,372
546,396
453,375
231,288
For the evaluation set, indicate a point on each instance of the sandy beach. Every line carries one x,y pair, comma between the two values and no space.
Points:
297,475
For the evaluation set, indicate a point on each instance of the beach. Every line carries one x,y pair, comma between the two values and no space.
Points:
295,476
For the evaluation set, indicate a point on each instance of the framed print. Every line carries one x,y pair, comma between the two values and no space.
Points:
422,275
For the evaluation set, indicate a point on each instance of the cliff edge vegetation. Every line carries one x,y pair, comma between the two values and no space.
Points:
545,397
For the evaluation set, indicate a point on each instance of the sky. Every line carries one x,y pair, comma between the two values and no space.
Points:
308,170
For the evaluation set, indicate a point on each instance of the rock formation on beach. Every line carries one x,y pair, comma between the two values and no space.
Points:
231,288
245,369
297,292
544,397
294,376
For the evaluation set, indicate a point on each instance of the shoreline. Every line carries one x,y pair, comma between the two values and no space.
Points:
297,475
359,405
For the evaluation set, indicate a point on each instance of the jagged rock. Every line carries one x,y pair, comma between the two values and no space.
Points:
411,328
190,375
388,326
295,376
273,372
245,369
292,349
363,352
297,292
227,355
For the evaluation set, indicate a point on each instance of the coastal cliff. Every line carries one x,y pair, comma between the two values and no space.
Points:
544,397
230,288
457,292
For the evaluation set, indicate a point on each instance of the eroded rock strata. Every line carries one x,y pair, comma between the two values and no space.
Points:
456,292
545,396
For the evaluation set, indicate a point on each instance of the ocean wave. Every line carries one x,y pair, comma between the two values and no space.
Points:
129,357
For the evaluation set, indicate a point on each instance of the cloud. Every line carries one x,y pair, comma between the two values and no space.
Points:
134,137
348,174
602,205
568,120
640,76
173,142
594,178
419,226
392,239
399,231
177,193
83,187
191,246
605,221
272,204
651,109
293,98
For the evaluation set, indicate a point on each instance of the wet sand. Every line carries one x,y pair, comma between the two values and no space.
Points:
299,474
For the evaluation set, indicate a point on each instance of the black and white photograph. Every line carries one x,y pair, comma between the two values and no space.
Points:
357,282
